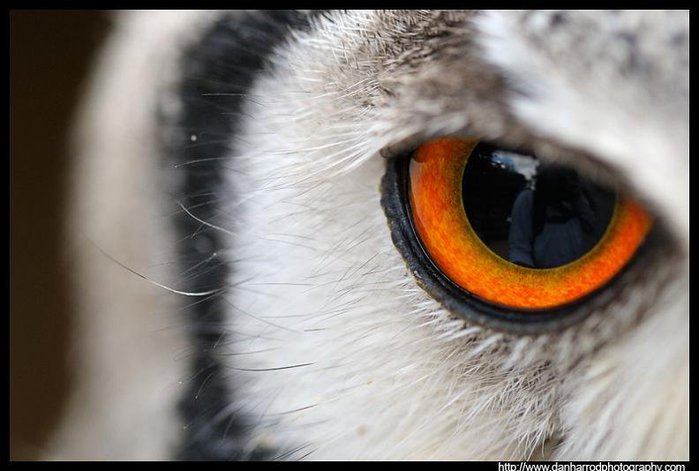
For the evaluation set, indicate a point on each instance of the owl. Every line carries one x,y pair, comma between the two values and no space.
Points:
396,235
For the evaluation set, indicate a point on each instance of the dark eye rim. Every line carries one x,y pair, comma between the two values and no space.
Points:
396,206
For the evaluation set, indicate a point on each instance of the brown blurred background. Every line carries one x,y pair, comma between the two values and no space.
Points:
50,55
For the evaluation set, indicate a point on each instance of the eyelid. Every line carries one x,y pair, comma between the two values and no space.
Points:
394,200
401,148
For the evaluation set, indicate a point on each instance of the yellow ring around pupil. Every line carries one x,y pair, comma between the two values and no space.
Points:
477,240
440,220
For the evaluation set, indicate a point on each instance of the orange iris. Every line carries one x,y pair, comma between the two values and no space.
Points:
436,173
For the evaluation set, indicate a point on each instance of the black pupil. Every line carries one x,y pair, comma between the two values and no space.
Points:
535,214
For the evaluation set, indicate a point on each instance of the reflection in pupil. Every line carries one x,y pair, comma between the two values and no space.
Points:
533,214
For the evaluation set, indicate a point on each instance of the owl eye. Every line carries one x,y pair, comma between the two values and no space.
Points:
501,234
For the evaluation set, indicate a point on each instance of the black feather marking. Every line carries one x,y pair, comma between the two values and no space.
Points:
217,73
